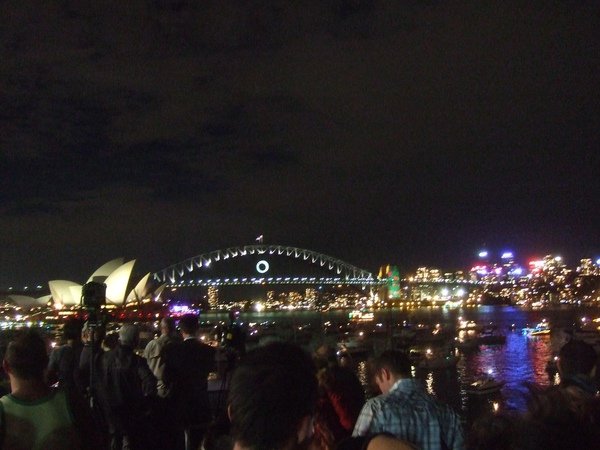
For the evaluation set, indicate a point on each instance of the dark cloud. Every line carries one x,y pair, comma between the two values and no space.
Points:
372,130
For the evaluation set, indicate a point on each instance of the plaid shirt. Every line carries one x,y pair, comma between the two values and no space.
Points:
409,413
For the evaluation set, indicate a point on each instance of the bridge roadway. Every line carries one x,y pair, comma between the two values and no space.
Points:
372,282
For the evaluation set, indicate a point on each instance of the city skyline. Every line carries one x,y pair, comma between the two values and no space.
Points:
412,133
487,261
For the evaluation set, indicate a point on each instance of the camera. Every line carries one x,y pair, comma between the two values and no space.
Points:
93,295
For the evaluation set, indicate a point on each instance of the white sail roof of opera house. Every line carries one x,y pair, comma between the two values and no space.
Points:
26,301
116,283
140,291
62,294
116,276
106,269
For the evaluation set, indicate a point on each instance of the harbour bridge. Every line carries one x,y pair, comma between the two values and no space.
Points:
259,268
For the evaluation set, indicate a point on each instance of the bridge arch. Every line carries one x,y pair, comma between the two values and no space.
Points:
342,270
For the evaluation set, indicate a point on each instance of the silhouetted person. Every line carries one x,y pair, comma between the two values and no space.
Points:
154,352
234,338
272,398
129,388
576,365
63,367
187,365
341,397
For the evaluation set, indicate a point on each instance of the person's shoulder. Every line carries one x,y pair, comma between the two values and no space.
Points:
58,351
377,402
152,349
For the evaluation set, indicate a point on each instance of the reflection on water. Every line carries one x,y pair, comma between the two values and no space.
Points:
362,373
429,383
520,361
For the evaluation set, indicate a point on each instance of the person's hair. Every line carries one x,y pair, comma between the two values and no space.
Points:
188,324
560,420
577,357
325,356
27,356
72,329
273,388
168,323
395,361
129,335
496,431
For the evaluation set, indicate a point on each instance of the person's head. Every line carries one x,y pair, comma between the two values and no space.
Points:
497,431
345,360
167,326
129,335
188,324
272,397
576,358
72,330
26,357
325,356
389,367
558,418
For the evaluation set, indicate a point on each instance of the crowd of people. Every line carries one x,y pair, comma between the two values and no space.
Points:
95,393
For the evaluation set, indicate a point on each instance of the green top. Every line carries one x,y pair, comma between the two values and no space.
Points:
46,423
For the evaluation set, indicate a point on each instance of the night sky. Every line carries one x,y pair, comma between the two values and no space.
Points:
375,131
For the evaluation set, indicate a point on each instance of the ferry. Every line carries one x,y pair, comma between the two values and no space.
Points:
360,316
540,329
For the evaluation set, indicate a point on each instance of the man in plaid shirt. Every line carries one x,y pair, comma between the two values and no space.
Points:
405,410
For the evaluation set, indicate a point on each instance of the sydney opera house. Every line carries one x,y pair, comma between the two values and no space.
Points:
120,289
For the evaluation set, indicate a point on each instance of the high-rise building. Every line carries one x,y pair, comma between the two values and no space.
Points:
310,297
587,267
213,297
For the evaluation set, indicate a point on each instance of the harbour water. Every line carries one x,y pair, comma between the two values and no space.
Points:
522,360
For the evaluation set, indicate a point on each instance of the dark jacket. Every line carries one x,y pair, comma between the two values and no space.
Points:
128,389
187,365
63,365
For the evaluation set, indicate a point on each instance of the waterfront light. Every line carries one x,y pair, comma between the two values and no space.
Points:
507,255
259,307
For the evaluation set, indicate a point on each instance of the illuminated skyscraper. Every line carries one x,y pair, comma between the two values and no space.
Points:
393,276
213,297
310,297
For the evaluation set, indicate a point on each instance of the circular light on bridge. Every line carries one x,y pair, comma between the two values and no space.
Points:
262,266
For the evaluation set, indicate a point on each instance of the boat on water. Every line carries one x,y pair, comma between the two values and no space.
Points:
356,345
434,360
540,329
484,385
361,316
